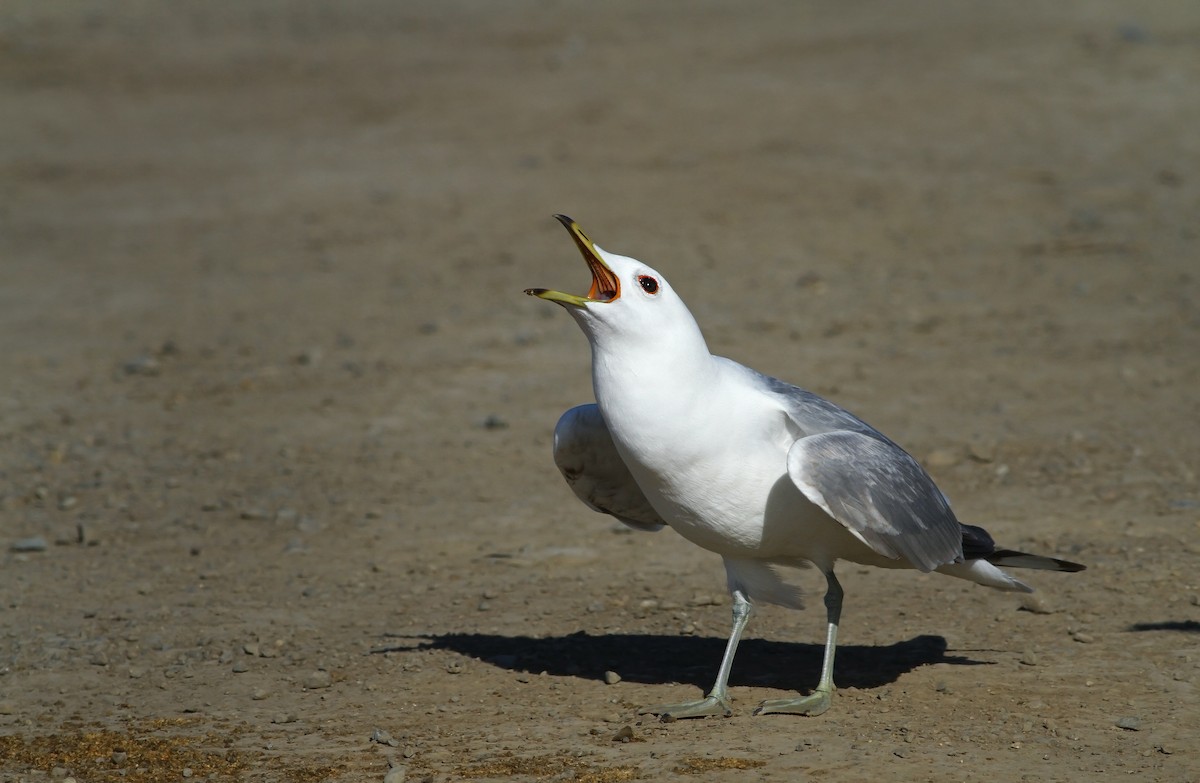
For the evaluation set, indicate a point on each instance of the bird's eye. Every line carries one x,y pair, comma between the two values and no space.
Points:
648,284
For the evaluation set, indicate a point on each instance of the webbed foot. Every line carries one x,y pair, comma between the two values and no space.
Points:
709,705
811,705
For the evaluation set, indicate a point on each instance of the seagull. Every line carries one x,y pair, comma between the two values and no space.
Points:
767,475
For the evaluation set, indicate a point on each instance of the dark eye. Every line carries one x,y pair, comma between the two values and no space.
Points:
648,284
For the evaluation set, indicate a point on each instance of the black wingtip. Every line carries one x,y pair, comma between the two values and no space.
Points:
1015,559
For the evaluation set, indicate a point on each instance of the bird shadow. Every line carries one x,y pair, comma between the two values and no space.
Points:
1189,626
649,658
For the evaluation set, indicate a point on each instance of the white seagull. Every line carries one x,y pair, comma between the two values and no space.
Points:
763,473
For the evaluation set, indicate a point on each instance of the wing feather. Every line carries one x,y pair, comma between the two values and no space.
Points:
880,494
585,455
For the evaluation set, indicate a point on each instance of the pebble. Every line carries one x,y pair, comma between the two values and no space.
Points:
1033,602
1129,723
260,694
624,734
33,544
1029,658
982,449
284,717
119,756
384,738
1082,637
250,648
58,772
142,365
494,422
240,667
318,679
611,678
8,707
395,775
942,458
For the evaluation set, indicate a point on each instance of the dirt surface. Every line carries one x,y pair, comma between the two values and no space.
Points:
275,418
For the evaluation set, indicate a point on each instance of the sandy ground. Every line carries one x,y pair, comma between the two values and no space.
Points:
276,497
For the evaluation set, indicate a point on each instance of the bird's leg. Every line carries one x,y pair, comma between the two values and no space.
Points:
819,700
717,700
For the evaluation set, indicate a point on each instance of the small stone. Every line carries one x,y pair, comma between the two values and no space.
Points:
8,707
32,544
382,737
284,717
67,502
119,756
142,365
137,672
1082,637
1032,602
624,734
318,679
942,458
1129,723
942,687
240,667
99,658
259,694
494,422
255,514
58,772
982,449
186,772
1029,658
395,775
611,678
251,648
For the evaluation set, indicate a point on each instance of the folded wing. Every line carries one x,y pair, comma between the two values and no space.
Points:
585,455
880,494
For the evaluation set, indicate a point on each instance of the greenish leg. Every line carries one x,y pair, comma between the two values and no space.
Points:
717,700
819,700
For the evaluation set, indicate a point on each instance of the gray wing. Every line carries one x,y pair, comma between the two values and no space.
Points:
880,494
585,454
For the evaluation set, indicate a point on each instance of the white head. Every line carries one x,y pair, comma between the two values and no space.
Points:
628,302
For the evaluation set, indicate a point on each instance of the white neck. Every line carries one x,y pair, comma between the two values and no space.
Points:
650,378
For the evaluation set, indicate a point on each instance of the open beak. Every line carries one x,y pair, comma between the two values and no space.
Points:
605,285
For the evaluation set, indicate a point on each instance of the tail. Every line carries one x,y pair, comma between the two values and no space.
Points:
1013,559
982,559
